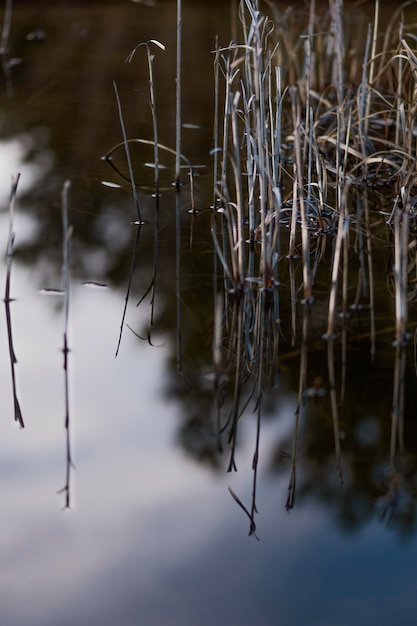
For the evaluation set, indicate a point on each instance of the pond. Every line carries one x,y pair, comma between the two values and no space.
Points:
144,525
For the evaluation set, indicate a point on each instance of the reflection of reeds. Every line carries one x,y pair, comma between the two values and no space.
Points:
7,22
7,300
4,46
403,263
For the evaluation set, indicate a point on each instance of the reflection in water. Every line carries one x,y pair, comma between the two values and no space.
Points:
146,517
18,417
102,232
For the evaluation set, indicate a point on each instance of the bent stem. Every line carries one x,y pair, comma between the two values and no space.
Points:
152,287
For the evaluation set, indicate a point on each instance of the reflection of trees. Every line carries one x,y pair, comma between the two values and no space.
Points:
370,489
366,433
64,99
70,94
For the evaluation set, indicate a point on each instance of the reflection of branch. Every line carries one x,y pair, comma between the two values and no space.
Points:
67,231
342,233
129,285
335,412
401,221
252,526
6,27
301,394
392,499
136,199
17,412
129,161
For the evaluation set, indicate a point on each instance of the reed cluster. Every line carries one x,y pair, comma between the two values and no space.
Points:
315,170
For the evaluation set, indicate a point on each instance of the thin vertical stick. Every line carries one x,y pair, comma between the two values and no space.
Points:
215,154
218,362
364,126
308,65
129,160
400,269
261,347
239,192
129,286
136,199
238,310
364,109
399,89
260,121
66,232
216,121
301,389
298,184
335,413
336,8
342,232
178,98
178,188
372,64
7,300
157,194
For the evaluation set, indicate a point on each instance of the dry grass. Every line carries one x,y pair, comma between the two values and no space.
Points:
318,152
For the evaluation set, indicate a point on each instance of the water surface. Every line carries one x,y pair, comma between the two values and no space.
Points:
153,535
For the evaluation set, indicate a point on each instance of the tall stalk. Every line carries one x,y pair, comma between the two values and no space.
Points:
66,245
178,187
7,300
152,100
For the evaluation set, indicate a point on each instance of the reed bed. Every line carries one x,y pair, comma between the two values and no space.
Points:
317,147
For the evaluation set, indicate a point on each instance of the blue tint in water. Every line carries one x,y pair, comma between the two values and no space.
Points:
154,538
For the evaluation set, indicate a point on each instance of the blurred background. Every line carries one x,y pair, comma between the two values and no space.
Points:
153,535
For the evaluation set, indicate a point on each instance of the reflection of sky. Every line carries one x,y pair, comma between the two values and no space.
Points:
13,155
153,538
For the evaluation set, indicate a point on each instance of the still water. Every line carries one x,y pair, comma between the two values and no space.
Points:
153,536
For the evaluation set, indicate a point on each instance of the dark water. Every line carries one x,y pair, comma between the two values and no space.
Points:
153,535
